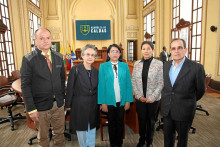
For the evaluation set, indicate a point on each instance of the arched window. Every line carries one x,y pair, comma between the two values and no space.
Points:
7,64
35,23
149,26
190,11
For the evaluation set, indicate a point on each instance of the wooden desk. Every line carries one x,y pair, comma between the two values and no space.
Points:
96,64
16,86
132,117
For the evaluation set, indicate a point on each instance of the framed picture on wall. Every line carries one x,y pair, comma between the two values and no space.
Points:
56,46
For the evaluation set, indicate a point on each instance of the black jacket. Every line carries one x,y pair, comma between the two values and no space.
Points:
189,87
39,86
81,97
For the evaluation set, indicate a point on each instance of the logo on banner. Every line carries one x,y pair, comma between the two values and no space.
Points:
85,29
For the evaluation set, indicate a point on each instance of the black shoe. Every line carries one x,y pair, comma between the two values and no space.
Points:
140,144
150,145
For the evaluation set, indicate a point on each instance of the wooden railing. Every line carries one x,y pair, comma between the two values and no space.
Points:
100,58
101,54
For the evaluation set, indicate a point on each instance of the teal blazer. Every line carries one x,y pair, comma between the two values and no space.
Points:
106,94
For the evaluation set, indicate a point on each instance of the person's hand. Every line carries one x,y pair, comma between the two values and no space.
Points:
143,99
68,109
127,106
34,116
104,108
148,100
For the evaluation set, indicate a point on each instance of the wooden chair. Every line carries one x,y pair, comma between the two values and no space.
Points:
8,98
104,122
15,74
30,124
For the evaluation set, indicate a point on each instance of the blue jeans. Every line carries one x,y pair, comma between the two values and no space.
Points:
86,138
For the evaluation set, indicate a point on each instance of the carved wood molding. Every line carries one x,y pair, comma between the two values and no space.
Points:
3,27
55,32
149,9
34,9
132,27
131,34
147,35
131,16
182,24
54,29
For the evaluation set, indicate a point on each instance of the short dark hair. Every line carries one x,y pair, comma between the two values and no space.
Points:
109,48
164,47
149,43
184,42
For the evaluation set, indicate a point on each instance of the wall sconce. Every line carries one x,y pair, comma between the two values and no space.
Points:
213,28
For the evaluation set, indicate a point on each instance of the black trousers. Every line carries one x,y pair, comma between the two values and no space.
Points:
147,113
170,127
116,125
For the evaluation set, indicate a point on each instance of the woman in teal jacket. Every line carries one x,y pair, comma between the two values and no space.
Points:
115,93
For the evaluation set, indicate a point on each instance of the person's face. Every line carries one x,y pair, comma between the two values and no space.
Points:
43,39
177,50
147,51
114,54
89,56
165,49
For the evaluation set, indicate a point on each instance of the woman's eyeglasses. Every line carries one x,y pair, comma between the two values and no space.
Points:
114,52
90,55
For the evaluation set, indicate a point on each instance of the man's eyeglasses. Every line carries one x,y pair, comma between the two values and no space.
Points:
114,52
90,55
179,48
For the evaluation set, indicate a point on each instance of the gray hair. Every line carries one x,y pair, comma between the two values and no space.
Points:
88,46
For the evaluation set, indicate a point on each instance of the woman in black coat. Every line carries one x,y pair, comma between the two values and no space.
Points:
81,98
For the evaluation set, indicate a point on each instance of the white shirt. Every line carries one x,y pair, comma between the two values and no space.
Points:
116,83
166,55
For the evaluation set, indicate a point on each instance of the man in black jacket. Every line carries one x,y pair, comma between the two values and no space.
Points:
164,56
184,84
43,86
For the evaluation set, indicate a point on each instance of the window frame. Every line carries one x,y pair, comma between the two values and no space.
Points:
147,3
7,64
191,48
196,48
152,13
32,29
134,50
36,4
